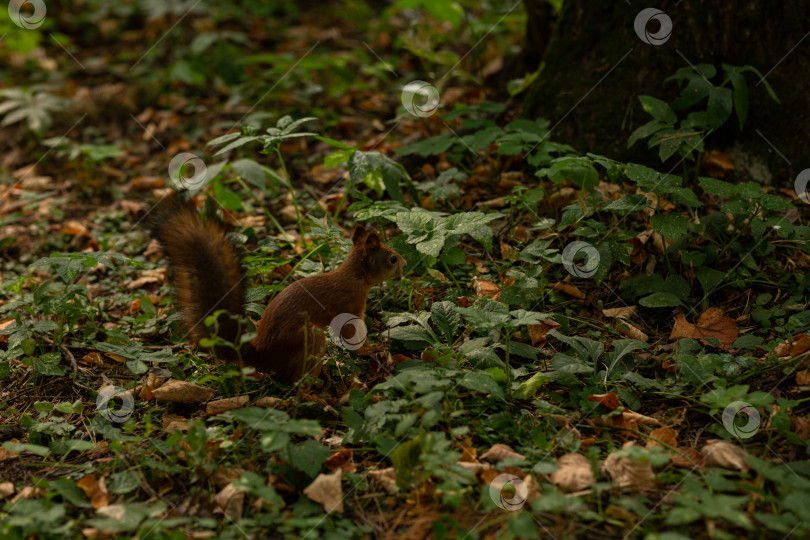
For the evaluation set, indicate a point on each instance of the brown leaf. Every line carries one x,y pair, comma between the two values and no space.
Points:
175,422
95,489
74,228
6,489
640,418
718,453
629,330
537,332
611,400
665,435
387,478
269,402
501,451
681,461
574,474
485,287
228,404
183,392
567,288
343,460
326,489
803,377
800,425
7,455
800,344
626,472
623,312
716,163
230,501
712,323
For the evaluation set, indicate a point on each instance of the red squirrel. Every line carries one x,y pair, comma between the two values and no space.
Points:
206,273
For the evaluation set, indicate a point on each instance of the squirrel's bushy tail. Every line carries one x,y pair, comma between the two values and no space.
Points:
203,267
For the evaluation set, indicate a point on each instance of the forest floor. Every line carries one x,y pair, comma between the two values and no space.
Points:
579,347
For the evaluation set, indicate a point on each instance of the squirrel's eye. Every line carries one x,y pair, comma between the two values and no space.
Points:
393,259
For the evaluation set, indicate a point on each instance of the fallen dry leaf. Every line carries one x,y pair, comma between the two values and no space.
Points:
611,400
499,452
665,435
712,323
626,472
95,489
803,377
718,453
230,501
269,402
537,332
7,455
326,489
485,287
387,478
624,312
183,392
681,459
475,467
715,163
567,288
227,404
343,460
800,344
6,489
175,422
631,331
574,474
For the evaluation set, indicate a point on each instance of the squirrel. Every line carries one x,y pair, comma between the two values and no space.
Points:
207,275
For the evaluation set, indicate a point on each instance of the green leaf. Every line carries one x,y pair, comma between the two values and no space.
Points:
482,382
740,88
251,171
446,318
628,203
650,128
716,187
671,226
529,388
18,448
658,109
719,107
709,278
660,299
309,456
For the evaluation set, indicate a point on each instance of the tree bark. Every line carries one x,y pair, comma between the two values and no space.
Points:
595,66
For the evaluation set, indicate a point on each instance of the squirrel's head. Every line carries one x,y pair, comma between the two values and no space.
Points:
380,261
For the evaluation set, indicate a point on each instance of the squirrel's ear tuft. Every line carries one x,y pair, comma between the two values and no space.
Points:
359,235
372,242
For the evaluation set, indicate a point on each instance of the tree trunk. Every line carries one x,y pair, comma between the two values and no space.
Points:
596,65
